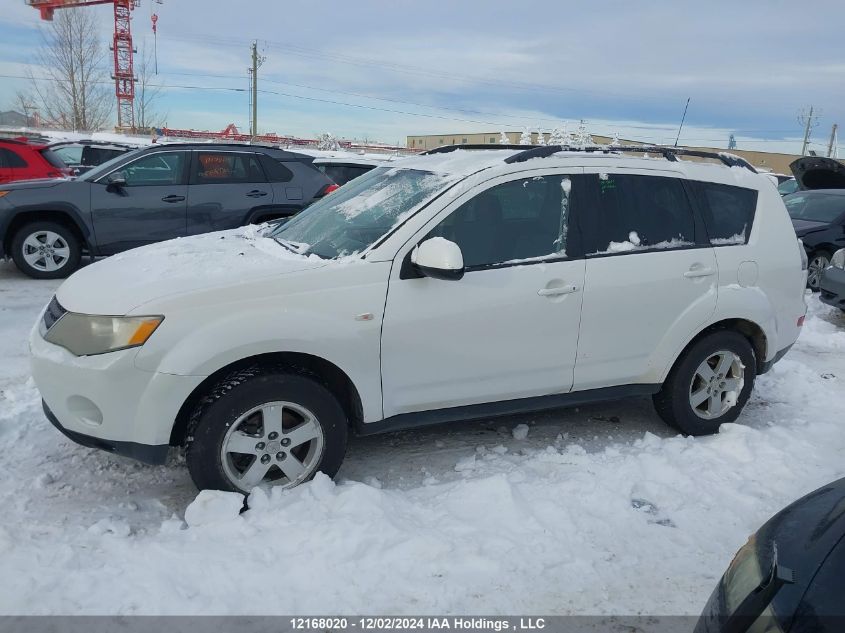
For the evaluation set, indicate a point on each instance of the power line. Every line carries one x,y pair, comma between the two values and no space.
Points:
497,124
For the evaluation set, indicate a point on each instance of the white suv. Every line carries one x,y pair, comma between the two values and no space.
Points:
456,285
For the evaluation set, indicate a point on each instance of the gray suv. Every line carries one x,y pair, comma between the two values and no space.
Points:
149,195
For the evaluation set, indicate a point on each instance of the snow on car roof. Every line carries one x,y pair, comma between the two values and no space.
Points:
464,162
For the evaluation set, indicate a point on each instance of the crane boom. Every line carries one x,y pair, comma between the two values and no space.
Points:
124,70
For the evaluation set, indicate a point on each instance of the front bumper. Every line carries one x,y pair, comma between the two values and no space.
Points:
106,402
832,287
141,452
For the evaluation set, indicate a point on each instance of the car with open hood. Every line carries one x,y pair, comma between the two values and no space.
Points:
470,282
817,210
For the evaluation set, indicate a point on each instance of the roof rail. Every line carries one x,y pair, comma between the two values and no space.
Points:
669,153
446,149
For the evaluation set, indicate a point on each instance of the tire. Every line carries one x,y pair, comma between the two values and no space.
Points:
232,416
684,384
818,261
60,258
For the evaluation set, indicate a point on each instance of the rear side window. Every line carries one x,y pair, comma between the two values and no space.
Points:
218,168
728,212
8,158
54,159
637,213
341,174
276,171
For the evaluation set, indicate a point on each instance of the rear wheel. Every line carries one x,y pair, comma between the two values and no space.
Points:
818,262
709,385
263,426
46,250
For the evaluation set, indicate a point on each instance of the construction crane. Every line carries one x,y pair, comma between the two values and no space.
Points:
124,71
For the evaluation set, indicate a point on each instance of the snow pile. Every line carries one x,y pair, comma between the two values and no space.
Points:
634,243
738,238
611,510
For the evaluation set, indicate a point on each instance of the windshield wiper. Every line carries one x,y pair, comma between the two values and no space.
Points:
288,245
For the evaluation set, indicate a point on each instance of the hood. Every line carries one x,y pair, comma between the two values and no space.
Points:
117,285
818,172
41,183
802,227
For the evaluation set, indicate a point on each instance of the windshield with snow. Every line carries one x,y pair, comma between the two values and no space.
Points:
359,213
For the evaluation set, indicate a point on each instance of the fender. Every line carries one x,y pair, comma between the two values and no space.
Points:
734,302
62,208
276,316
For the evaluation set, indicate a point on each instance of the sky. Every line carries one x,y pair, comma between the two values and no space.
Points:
384,69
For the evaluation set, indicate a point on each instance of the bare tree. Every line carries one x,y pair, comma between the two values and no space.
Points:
25,105
73,90
147,95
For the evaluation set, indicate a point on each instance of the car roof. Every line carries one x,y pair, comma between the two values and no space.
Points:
500,161
273,150
23,142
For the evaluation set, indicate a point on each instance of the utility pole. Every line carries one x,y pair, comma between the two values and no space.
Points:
807,120
257,61
832,143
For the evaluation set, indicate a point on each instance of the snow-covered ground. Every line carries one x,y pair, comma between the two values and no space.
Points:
597,510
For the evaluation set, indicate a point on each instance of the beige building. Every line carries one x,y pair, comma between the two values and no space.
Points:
767,161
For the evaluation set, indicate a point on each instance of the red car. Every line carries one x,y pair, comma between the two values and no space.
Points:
23,160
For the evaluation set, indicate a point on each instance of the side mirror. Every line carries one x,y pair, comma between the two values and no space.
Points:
116,180
439,258
838,259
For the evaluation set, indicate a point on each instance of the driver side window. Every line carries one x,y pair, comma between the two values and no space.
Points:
155,169
518,220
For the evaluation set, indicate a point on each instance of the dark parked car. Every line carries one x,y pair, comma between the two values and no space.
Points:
832,284
790,575
83,156
343,169
149,195
818,211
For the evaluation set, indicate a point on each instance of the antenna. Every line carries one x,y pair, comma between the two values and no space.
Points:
683,118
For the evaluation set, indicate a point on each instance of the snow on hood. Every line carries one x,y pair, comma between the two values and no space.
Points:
120,283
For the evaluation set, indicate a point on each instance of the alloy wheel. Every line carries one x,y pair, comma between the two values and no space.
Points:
45,251
716,384
280,443
814,270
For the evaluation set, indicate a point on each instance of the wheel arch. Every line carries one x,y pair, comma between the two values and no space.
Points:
749,329
329,374
61,216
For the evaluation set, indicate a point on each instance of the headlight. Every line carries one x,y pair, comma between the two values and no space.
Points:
743,575
85,335
838,259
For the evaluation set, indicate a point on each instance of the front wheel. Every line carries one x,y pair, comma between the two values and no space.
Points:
709,385
46,250
262,426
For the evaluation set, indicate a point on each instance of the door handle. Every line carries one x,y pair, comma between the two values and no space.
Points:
173,199
255,193
696,270
558,290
